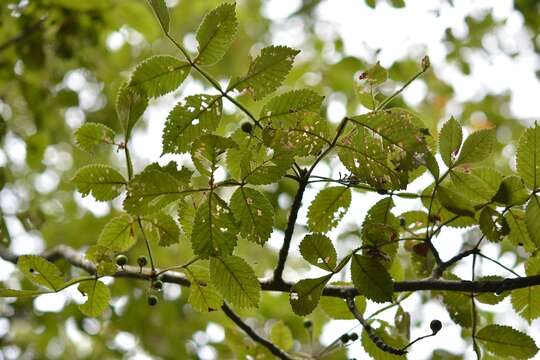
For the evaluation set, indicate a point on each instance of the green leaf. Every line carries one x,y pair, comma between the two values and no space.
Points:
162,13
525,302
318,250
305,294
88,136
216,33
532,219
103,258
380,228
450,139
130,106
118,234
458,304
371,279
388,335
203,296
478,185
477,147
491,298
8,293
506,342
214,230
40,271
159,75
235,280
383,147
519,236
375,75
154,188
104,182
455,202
259,165
328,208
281,336
307,136
512,191
266,72
254,213
207,152
528,157
98,296
336,308
190,119
285,110
493,224
163,229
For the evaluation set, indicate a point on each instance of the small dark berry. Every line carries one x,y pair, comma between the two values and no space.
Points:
142,261
353,336
344,338
247,127
121,260
31,270
382,191
158,284
435,326
308,324
152,300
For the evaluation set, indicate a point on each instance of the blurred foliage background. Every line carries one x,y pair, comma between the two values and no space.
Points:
61,63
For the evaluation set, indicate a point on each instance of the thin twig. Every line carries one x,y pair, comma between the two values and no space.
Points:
273,348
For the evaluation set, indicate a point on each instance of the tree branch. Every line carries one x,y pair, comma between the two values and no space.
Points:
252,334
77,259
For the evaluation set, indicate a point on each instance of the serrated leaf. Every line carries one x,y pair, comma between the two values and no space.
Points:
203,296
388,335
235,280
318,250
156,187
383,147
305,294
477,147
336,308
266,72
130,106
118,234
458,304
98,296
328,208
371,279
491,298
493,224
281,336
512,191
163,229
532,219
478,185
519,236
450,139
528,157
285,109
525,302
375,75
455,202
103,259
191,118
162,13
216,33
89,135
506,342
254,213
259,165
40,271
306,136
207,151
159,75
104,182
380,229
214,230
8,293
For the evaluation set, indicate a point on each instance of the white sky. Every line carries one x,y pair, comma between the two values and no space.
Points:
398,33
